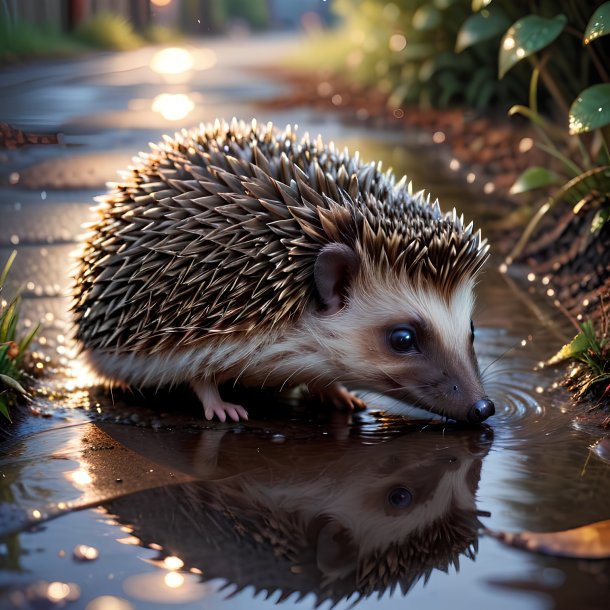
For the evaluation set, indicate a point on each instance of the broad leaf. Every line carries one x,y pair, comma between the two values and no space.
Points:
479,27
599,24
526,36
587,542
533,178
591,109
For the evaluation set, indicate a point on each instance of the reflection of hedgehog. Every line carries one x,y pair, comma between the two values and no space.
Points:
339,520
242,253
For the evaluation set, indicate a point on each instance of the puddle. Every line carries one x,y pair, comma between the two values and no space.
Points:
299,507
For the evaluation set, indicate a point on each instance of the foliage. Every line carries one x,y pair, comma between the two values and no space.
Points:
408,50
21,40
584,175
591,350
109,31
12,351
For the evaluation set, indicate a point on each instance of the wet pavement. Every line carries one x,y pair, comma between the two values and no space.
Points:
134,500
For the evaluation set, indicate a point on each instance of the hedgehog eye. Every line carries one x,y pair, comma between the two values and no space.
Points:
400,497
402,338
471,331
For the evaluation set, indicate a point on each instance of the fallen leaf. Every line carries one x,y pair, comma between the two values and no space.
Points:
590,541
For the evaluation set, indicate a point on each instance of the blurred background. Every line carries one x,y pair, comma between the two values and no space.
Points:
142,17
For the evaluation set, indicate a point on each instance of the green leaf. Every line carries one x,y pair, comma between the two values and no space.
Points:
579,346
526,36
479,27
533,178
570,350
591,109
426,18
13,384
599,24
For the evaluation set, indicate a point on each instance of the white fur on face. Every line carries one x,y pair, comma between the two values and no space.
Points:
382,306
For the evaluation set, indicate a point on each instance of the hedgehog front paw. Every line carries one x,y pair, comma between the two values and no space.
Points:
213,404
337,394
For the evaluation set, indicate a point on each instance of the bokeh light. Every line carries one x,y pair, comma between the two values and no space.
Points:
173,107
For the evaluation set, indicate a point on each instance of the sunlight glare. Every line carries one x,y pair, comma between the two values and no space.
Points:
172,60
173,107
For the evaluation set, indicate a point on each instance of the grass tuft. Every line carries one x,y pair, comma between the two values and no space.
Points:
590,352
12,350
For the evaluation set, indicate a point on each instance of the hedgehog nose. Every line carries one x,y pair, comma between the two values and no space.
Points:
481,410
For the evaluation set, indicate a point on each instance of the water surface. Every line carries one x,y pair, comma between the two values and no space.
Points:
139,498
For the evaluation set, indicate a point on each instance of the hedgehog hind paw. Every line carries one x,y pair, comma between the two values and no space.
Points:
338,395
214,405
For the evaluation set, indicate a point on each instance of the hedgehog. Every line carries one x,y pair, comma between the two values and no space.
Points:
243,253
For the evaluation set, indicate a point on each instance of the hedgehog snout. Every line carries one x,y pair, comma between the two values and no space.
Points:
481,410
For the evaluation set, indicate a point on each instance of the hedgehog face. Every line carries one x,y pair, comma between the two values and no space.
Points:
409,341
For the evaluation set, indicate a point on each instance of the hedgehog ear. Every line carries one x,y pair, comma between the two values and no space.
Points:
336,553
333,272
